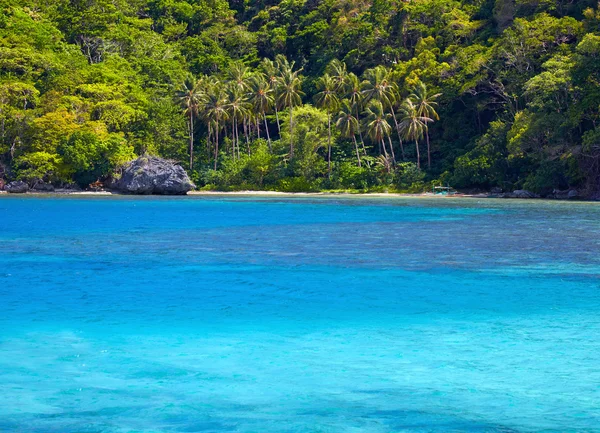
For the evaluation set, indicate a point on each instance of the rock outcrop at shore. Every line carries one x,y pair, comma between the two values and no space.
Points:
520,193
568,194
153,175
41,186
523,193
17,187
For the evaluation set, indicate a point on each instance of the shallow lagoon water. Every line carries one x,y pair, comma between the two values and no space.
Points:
233,314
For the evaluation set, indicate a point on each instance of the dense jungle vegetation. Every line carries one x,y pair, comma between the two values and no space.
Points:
301,95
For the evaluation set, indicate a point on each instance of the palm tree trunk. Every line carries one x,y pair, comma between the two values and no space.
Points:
208,140
267,130
225,136
191,139
418,154
356,147
233,152
428,151
237,138
392,149
362,141
216,142
291,133
246,134
277,117
384,149
257,128
399,135
233,136
329,144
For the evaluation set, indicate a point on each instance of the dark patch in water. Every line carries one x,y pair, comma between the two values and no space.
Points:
430,422
206,427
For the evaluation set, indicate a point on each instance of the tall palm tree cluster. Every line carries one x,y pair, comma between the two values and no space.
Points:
241,101
378,98
371,107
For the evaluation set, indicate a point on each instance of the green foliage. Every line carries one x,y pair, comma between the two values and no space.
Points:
484,166
260,164
409,176
348,176
39,165
297,184
87,158
310,138
253,171
558,174
162,132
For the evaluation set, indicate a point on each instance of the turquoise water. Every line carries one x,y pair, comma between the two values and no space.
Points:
298,315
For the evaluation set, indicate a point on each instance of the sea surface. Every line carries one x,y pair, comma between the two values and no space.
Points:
330,315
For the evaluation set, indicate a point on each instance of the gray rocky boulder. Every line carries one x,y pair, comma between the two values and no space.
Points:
17,187
41,186
520,193
568,194
523,193
153,175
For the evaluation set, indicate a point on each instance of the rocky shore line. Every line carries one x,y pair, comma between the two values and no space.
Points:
511,195
149,175
146,175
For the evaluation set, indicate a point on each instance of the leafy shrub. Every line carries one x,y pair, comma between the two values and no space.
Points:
483,166
348,175
259,164
39,165
88,158
297,184
559,174
408,175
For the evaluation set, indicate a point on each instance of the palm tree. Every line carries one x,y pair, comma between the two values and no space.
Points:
272,73
190,95
283,65
355,96
376,123
328,99
261,97
425,105
238,109
395,98
238,75
378,85
383,161
290,96
338,72
215,110
348,124
413,125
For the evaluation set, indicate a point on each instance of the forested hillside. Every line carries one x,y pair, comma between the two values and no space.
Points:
303,94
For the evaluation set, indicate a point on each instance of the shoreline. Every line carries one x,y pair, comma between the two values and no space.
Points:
253,193
331,194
